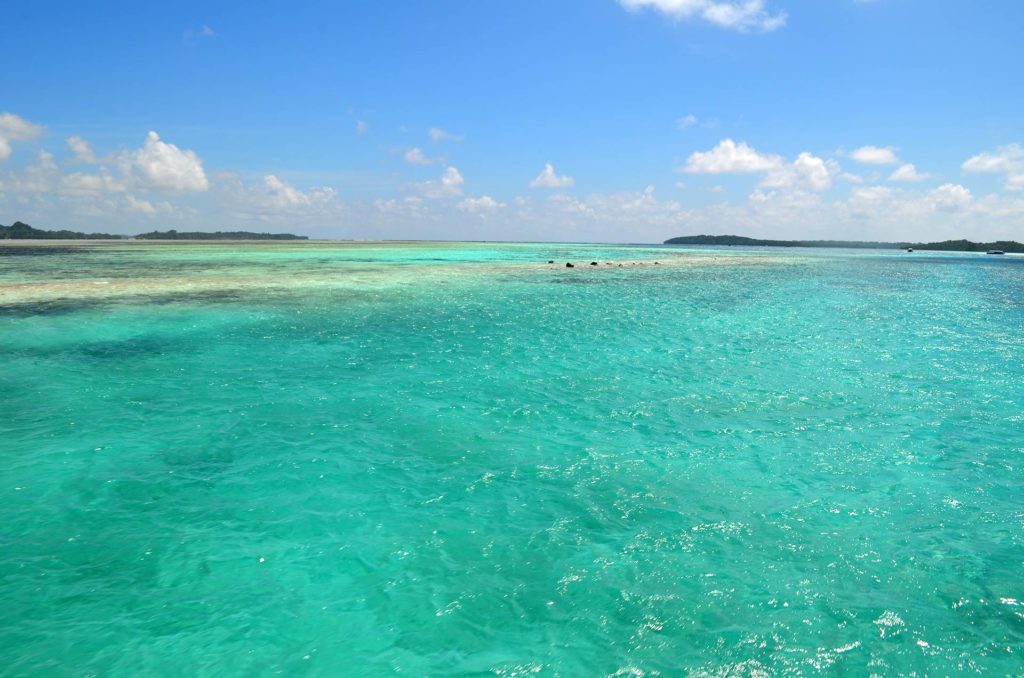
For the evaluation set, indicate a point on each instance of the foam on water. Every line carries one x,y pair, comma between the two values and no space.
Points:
359,459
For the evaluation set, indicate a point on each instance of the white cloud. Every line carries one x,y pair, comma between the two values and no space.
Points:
482,205
203,32
165,167
950,197
908,173
728,157
272,199
875,155
82,150
438,135
362,127
15,128
448,186
686,121
806,172
548,179
1003,160
81,183
40,176
280,195
415,156
1008,160
141,206
872,194
740,15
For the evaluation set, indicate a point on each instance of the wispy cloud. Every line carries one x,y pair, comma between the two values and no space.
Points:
415,156
437,135
203,31
686,121
739,15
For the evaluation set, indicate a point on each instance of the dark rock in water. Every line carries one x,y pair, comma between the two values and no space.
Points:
551,261
593,263
569,265
656,263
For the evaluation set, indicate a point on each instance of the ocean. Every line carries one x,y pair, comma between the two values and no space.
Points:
327,459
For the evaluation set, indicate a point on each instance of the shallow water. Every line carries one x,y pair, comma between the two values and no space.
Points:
328,459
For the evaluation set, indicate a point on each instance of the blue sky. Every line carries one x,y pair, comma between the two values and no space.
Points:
778,118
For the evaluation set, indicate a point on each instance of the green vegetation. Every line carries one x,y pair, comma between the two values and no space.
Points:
22,231
217,235
944,246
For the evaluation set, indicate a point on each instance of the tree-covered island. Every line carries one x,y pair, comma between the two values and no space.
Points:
22,231
944,246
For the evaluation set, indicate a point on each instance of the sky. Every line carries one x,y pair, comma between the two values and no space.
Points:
576,120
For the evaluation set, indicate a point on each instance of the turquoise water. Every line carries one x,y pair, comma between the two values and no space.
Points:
331,459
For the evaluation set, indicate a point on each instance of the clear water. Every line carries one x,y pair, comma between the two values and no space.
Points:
344,459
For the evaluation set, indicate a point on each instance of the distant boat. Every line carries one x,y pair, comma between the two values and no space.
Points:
995,252
910,249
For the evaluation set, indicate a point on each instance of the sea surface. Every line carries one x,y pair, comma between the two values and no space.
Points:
334,459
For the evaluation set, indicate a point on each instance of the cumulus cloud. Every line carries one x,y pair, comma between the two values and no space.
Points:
448,186
1003,160
728,157
282,196
875,155
739,15
908,173
15,128
1008,160
482,205
165,167
437,135
272,199
549,179
415,156
81,149
807,172
950,197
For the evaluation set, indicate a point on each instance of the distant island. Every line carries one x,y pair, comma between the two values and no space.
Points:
22,231
944,246
216,235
